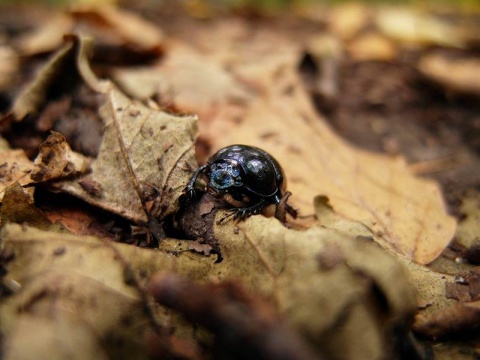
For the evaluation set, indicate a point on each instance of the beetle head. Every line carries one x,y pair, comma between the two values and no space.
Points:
223,175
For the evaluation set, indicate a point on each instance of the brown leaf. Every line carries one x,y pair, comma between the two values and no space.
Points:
456,320
14,166
460,75
111,26
18,207
71,58
378,191
190,81
145,155
129,26
35,94
56,160
372,47
411,26
373,189
47,37
227,309
354,299
74,288
9,65
347,20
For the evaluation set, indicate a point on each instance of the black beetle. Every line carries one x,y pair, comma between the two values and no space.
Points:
247,178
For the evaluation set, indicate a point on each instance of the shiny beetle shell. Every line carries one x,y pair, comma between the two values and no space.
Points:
247,178
261,173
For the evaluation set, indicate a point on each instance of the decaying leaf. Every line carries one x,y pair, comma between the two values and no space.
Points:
46,38
112,27
378,191
9,65
347,20
63,62
130,27
226,308
348,308
192,82
56,160
14,166
370,47
460,75
18,207
454,321
375,190
145,161
74,288
414,27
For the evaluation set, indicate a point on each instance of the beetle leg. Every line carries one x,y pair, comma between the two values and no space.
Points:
283,208
190,188
245,212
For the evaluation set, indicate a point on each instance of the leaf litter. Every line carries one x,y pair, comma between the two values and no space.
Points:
293,271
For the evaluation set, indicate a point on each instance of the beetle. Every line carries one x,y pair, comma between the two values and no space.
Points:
247,179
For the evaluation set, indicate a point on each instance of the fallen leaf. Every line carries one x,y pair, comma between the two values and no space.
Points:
456,320
278,116
459,75
227,309
352,300
35,93
14,166
45,38
18,207
371,47
146,155
411,26
188,79
132,28
283,265
9,65
112,27
71,60
373,189
347,20
56,160
74,287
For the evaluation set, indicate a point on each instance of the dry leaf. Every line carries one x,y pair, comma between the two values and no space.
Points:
454,321
413,27
110,25
375,190
130,27
371,46
225,309
14,166
460,75
146,155
9,65
284,265
47,37
75,288
71,58
347,20
353,299
185,78
17,207
56,160
32,98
